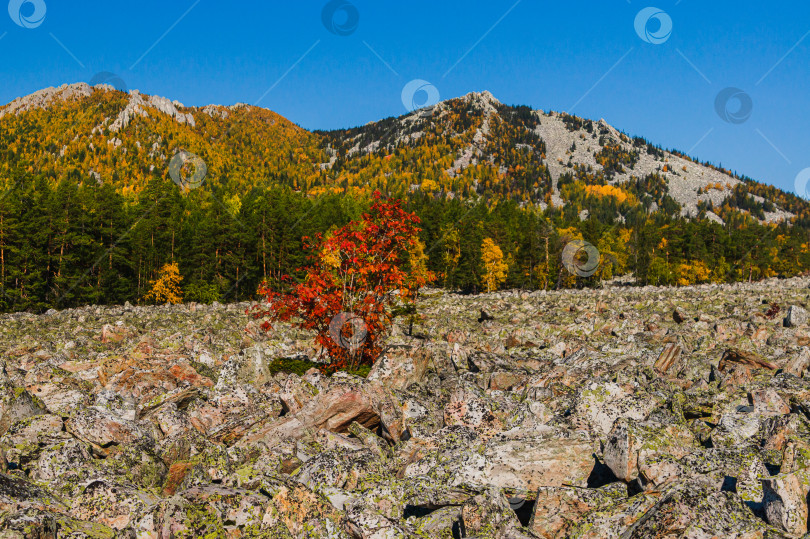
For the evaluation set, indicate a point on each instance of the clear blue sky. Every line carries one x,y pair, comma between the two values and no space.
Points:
583,57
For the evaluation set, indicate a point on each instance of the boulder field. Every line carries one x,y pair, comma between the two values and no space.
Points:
613,413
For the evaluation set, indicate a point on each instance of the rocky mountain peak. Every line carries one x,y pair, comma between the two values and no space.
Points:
137,105
42,99
482,100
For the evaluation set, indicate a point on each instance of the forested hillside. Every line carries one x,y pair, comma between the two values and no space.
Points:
89,212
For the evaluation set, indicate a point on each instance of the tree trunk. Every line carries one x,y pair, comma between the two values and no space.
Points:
264,246
2,256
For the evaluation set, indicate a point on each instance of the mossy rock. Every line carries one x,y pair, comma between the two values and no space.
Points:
294,365
204,370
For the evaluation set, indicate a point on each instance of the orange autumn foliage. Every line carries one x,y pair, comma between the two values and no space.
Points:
607,190
356,276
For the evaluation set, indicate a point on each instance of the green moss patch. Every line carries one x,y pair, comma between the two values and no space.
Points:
290,365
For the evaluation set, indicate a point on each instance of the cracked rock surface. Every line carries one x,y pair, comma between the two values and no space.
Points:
620,412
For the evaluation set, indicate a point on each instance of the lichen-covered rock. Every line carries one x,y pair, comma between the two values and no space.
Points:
632,446
111,504
796,316
230,413
600,405
469,408
294,392
695,509
489,515
103,428
458,457
785,501
400,367
613,520
16,404
439,523
22,502
558,509
368,404
528,463
65,466
735,428
767,402
798,362
42,430
366,523
27,438
35,523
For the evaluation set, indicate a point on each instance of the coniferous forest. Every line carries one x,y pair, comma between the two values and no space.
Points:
78,243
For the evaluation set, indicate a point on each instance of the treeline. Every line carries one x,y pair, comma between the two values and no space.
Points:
79,241
84,243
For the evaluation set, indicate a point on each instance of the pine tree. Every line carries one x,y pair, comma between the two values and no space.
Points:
10,228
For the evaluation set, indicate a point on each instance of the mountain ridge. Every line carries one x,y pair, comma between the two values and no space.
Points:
602,149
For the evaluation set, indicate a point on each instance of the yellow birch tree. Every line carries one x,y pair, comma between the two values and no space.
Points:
494,266
166,289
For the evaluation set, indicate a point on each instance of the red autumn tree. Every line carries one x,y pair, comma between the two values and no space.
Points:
356,276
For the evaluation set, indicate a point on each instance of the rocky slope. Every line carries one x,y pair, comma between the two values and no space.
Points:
624,412
587,150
